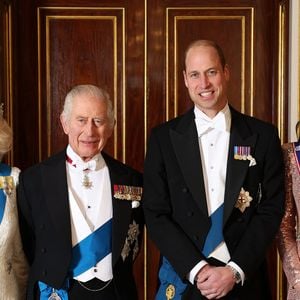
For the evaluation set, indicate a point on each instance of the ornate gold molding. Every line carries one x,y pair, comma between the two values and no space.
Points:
146,99
281,69
241,18
51,16
281,90
8,66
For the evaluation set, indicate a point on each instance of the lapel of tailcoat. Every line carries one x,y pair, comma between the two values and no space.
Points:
121,209
54,181
240,135
184,139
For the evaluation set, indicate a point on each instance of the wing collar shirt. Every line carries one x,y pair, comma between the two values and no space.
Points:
213,135
90,207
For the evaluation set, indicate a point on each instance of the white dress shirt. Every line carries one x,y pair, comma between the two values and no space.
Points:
214,137
89,207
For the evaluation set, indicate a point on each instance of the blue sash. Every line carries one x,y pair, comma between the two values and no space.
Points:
170,283
215,234
4,171
92,249
85,255
46,291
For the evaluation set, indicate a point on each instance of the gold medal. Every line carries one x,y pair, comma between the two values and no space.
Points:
170,291
7,183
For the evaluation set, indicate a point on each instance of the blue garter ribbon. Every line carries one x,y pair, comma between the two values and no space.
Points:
215,234
5,170
85,255
46,291
170,282
92,249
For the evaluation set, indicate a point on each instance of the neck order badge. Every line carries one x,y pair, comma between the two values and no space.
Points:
86,168
87,183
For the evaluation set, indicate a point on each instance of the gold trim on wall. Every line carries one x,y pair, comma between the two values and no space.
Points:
39,83
282,39
8,66
48,19
242,19
281,70
123,87
146,99
279,291
214,17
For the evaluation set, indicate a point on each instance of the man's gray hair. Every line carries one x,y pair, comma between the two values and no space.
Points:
91,90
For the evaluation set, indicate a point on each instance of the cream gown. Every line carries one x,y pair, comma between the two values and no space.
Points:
13,265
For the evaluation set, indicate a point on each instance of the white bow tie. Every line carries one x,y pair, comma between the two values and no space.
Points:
89,165
204,125
81,165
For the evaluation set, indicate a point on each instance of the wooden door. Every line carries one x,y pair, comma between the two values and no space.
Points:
134,49
6,63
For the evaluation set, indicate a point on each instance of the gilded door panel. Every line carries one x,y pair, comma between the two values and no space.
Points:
78,46
247,33
187,24
135,50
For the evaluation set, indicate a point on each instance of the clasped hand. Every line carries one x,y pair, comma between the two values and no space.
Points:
215,282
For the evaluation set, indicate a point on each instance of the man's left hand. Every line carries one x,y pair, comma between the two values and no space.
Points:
215,282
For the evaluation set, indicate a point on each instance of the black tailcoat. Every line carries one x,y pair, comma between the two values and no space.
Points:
46,228
175,204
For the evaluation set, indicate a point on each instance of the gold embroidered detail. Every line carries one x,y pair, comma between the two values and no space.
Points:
131,239
7,184
243,201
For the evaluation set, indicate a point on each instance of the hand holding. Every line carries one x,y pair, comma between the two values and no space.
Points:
215,282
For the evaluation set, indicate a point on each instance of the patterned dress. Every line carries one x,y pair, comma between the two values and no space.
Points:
289,234
13,265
